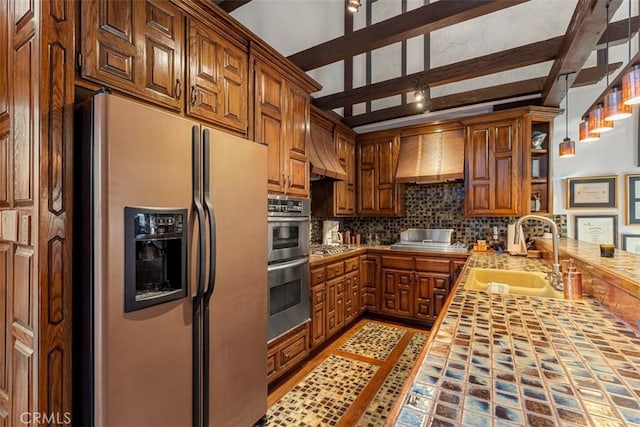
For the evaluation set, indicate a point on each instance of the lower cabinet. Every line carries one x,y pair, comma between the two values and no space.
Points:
416,287
287,351
335,298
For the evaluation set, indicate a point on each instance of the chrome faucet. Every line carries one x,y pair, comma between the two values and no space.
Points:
555,276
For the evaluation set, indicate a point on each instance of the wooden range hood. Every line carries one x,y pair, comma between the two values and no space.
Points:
432,157
322,154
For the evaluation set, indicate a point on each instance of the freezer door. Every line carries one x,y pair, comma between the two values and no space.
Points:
238,307
142,362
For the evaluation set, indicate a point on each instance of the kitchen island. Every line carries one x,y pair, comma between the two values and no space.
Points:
501,360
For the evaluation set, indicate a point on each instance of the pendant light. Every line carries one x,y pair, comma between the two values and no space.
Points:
597,123
585,134
631,80
567,146
614,107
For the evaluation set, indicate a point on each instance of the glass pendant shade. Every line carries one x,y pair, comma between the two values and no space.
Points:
597,123
585,135
631,86
614,108
567,148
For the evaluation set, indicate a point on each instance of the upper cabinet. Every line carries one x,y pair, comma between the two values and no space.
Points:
378,192
218,83
282,122
345,191
504,174
334,197
136,46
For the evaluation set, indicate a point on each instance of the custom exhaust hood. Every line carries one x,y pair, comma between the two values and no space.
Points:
322,155
431,157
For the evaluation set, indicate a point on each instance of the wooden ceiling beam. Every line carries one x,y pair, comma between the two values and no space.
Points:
509,59
231,5
502,61
478,96
587,25
416,22
592,75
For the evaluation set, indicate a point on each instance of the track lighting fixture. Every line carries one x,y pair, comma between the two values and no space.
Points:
353,6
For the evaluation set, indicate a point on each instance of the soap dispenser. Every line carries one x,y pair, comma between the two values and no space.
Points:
572,280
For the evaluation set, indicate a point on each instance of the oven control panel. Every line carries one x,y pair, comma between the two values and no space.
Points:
288,206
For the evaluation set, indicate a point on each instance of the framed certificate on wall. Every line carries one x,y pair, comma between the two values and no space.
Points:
632,198
591,192
596,228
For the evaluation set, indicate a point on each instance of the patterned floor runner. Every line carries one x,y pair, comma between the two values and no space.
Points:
374,341
328,391
376,413
324,395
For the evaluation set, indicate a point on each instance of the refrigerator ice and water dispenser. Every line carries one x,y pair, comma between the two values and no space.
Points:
155,256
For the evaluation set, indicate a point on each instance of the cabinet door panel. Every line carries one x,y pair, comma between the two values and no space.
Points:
298,106
162,39
423,304
480,154
271,132
234,86
203,72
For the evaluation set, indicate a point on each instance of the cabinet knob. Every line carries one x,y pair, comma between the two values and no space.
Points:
178,89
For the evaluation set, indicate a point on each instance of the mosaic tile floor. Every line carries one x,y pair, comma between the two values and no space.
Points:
323,396
376,413
374,340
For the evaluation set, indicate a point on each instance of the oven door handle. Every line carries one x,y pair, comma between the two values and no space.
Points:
288,219
288,264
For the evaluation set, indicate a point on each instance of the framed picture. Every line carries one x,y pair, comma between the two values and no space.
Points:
631,243
632,190
591,192
596,228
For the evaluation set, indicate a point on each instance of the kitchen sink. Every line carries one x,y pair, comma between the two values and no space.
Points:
531,283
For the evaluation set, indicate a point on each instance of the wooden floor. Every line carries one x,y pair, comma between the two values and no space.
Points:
380,369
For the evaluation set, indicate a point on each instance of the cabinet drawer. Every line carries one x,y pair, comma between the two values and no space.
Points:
351,264
317,275
335,270
291,351
402,263
432,264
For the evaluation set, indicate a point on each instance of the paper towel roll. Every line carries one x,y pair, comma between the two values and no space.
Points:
512,247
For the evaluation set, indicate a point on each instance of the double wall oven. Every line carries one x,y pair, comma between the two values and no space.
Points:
288,270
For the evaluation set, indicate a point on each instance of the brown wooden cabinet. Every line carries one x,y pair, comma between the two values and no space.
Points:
369,289
397,292
136,46
345,191
287,351
416,287
217,79
503,173
378,193
282,122
335,298
493,158
336,197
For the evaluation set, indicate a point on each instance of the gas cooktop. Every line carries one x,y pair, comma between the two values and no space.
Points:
323,250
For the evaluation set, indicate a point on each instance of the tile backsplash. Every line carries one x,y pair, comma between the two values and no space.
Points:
433,206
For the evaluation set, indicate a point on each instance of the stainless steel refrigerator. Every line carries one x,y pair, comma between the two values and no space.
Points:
170,289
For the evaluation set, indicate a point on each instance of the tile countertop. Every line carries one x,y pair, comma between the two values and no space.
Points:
508,360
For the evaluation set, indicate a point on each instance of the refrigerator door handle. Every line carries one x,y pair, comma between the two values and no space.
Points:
198,298
206,170
206,339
